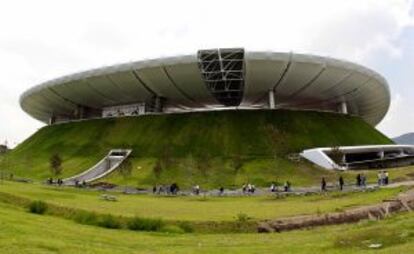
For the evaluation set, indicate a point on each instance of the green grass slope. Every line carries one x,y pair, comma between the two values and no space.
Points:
23,232
211,148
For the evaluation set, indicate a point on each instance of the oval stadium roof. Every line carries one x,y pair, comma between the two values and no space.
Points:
218,78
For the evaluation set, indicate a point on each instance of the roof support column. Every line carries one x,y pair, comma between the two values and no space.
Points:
271,99
52,120
158,104
381,154
343,108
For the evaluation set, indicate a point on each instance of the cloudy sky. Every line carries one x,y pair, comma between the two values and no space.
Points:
41,40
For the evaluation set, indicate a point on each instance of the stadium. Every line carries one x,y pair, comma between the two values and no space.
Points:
211,117
211,80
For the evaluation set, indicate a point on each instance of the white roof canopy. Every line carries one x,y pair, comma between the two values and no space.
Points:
299,81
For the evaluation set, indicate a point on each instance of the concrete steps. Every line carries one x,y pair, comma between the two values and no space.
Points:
109,163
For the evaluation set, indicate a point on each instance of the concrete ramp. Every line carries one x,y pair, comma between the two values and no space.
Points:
108,164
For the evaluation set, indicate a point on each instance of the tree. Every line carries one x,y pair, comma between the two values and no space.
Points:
125,168
157,169
337,155
56,165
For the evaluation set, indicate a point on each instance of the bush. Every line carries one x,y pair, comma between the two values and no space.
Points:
141,224
109,221
84,217
37,207
242,218
186,226
55,164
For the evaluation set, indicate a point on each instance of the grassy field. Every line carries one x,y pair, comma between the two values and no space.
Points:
208,148
22,232
196,208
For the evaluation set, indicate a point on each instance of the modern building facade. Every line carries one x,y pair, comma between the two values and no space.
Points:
213,79
361,157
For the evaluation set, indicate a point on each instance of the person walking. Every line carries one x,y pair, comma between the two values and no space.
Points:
386,179
273,187
197,190
358,180
249,188
379,176
287,186
323,184
341,183
244,188
363,181
221,191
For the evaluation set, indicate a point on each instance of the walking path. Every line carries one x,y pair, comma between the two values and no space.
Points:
261,191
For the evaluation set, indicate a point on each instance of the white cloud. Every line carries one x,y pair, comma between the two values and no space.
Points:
400,118
44,39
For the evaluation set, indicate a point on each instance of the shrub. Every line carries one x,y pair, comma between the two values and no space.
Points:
157,169
186,226
37,207
109,221
125,169
242,217
141,224
336,155
84,217
55,164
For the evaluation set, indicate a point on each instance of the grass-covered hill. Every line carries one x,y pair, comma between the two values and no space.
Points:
209,148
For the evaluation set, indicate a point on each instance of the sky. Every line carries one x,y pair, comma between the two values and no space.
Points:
42,40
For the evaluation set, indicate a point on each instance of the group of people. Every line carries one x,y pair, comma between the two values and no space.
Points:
383,178
361,180
173,189
80,184
51,181
286,187
248,188
196,190
59,182
341,183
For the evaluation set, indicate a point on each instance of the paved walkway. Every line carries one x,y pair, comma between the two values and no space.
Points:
265,191
398,184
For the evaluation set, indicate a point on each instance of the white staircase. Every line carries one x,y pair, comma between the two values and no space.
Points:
108,164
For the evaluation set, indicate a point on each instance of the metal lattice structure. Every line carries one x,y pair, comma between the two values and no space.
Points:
223,73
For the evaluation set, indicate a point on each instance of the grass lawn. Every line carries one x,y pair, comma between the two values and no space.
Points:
22,232
196,208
